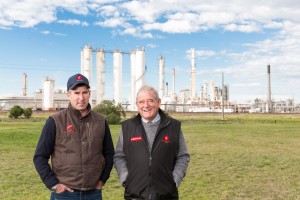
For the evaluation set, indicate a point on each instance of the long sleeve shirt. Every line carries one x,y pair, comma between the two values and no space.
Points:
45,148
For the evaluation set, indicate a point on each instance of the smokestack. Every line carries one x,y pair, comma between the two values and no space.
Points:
269,101
24,89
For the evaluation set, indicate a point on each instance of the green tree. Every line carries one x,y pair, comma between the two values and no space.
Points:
27,113
111,111
16,112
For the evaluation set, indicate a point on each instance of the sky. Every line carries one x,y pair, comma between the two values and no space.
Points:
43,38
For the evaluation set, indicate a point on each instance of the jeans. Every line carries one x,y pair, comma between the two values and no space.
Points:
77,195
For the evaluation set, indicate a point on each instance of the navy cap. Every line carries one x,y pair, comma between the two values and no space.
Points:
76,80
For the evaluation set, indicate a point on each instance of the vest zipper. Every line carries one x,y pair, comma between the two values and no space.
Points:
150,186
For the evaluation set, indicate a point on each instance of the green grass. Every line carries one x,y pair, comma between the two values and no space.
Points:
248,156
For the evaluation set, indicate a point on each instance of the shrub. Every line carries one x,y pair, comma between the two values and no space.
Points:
112,112
27,113
16,112
112,118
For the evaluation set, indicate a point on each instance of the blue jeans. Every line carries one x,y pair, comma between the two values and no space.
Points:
77,195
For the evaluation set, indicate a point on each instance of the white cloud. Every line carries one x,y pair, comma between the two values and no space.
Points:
69,21
247,28
45,32
112,22
73,22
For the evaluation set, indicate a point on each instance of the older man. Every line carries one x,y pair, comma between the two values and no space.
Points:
151,155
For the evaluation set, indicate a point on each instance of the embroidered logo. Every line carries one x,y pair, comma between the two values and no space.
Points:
79,78
70,129
166,139
134,139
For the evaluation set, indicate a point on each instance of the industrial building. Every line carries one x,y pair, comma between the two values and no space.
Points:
207,98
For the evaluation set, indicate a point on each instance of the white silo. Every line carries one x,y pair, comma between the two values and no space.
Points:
140,69
161,75
100,63
132,78
193,73
86,62
48,94
117,66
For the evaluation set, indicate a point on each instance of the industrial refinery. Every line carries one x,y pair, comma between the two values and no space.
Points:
210,98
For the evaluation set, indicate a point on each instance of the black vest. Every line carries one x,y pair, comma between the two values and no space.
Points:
151,172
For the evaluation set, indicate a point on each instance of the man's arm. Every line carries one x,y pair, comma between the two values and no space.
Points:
182,161
120,159
43,151
108,153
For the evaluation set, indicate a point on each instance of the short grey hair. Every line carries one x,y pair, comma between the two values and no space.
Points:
147,88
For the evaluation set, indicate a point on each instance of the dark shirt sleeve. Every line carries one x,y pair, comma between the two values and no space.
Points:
43,152
108,153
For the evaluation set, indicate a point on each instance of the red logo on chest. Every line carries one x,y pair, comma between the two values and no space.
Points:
70,129
166,139
134,139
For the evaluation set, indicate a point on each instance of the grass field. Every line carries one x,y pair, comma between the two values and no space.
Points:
246,156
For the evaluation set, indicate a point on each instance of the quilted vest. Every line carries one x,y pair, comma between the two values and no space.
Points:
151,172
77,160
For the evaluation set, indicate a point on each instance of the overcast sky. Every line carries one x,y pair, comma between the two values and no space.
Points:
239,38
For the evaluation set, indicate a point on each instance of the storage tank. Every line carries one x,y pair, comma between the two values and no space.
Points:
117,65
168,103
48,94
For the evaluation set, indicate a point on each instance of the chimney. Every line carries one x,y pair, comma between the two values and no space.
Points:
269,101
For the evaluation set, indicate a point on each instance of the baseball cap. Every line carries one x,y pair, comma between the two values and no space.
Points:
76,80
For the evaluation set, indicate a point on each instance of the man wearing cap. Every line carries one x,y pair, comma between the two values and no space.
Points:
80,146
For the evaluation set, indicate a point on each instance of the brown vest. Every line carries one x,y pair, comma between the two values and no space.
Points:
77,160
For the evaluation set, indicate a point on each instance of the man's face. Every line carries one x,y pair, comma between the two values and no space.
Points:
147,105
79,98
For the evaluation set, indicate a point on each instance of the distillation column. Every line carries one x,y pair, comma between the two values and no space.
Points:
212,90
86,62
140,69
132,79
269,100
174,94
100,64
193,83
117,67
24,89
161,75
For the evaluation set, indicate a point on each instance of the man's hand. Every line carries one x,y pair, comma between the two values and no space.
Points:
99,185
61,188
